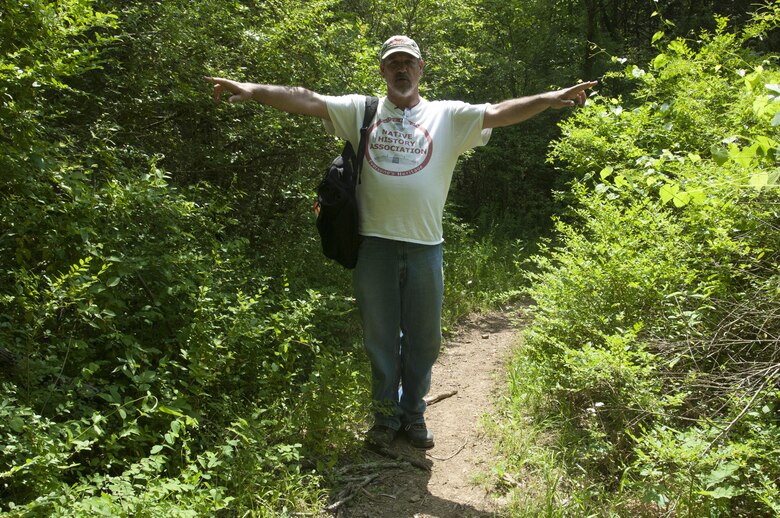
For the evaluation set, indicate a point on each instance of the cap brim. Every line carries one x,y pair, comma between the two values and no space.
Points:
404,50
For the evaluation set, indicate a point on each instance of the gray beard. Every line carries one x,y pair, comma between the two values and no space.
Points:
404,88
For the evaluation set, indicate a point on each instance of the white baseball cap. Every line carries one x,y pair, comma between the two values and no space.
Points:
400,44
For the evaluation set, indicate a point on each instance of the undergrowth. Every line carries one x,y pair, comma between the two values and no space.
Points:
647,382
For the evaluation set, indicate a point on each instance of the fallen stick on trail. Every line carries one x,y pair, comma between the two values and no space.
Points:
372,466
387,452
436,399
350,491
451,456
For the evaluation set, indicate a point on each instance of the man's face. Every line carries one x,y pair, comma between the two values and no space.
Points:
402,72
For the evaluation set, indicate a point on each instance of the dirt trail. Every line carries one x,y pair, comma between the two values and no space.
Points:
471,364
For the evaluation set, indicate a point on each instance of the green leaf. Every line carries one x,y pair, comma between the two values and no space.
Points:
668,191
681,199
721,473
16,424
657,36
742,156
606,172
759,180
660,61
719,154
171,411
723,492
698,196
776,119
765,144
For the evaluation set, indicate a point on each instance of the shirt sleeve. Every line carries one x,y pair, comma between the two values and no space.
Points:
346,115
467,120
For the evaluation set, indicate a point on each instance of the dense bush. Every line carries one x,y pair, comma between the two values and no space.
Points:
654,342
149,367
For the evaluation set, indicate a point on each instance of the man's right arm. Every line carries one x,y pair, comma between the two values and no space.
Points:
292,99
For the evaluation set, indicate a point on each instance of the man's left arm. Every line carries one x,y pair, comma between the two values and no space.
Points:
517,110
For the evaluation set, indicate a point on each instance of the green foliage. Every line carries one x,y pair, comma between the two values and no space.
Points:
477,271
135,327
172,342
653,346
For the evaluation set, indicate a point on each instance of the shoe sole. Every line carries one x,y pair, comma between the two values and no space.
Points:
423,445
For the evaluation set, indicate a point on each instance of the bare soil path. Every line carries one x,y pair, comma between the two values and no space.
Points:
454,479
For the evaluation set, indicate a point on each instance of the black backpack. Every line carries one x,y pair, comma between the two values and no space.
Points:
336,205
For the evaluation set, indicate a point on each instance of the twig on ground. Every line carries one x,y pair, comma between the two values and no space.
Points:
387,452
741,414
451,456
436,399
349,492
372,466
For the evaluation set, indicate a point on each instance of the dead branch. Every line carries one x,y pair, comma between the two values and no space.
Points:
372,466
435,399
451,456
349,492
387,452
739,416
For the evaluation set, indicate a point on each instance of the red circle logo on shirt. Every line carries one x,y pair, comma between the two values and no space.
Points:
398,147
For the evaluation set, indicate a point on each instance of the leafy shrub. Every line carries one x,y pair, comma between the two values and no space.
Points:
475,270
652,338
135,324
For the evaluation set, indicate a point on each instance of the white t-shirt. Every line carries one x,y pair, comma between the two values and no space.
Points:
409,161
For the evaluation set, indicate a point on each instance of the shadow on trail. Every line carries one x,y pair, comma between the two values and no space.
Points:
401,488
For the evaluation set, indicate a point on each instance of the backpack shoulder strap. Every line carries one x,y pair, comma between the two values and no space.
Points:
368,116
371,106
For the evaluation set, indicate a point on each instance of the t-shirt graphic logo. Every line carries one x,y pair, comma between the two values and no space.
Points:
398,147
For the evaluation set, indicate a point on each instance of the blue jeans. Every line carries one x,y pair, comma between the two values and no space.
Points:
399,288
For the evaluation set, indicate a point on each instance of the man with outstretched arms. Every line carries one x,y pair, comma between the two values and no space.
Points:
413,146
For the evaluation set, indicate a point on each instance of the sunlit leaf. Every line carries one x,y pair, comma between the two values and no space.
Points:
698,196
660,61
171,411
759,180
773,87
681,199
668,191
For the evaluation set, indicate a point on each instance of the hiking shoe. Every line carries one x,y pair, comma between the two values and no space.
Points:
380,436
419,436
